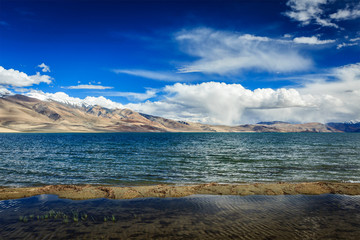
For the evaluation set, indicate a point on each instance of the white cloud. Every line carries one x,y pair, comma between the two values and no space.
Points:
353,42
4,91
221,103
59,97
341,45
161,76
343,87
135,96
346,14
355,39
44,67
16,78
312,40
99,87
64,98
224,52
348,73
103,102
249,37
318,12
309,11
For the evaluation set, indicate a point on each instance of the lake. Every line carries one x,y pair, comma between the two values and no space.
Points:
123,159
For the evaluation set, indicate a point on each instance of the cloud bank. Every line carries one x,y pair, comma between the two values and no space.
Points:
326,97
333,96
221,103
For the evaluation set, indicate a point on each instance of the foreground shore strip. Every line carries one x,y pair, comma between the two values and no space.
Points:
82,192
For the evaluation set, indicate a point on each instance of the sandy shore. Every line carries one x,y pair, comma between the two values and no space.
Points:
80,192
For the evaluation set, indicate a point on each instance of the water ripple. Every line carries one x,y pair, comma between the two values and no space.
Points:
132,158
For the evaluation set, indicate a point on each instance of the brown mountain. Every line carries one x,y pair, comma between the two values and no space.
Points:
19,113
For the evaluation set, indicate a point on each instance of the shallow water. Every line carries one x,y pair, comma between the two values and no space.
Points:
149,158
194,217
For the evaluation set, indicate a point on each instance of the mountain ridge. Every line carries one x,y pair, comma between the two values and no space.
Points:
19,113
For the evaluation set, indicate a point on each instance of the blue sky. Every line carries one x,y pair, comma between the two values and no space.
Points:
219,62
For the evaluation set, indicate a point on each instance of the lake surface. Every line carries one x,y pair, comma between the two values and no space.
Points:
194,217
178,158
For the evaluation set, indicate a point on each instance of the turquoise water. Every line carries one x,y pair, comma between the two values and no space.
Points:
179,158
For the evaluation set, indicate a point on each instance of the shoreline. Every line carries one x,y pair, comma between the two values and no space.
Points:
84,192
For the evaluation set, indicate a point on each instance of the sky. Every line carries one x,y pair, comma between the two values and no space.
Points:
217,62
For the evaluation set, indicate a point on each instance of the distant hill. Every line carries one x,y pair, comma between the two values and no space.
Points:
345,126
20,113
272,123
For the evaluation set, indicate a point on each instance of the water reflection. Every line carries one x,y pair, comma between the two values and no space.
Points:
194,217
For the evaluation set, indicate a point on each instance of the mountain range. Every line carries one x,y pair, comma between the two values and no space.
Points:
19,113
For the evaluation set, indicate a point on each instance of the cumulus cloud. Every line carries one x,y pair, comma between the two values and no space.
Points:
44,67
16,78
221,103
309,11
90,86
161,76
312,40
343,87
225,52
65,98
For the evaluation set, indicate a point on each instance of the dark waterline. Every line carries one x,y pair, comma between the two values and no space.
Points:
177,158
194,217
